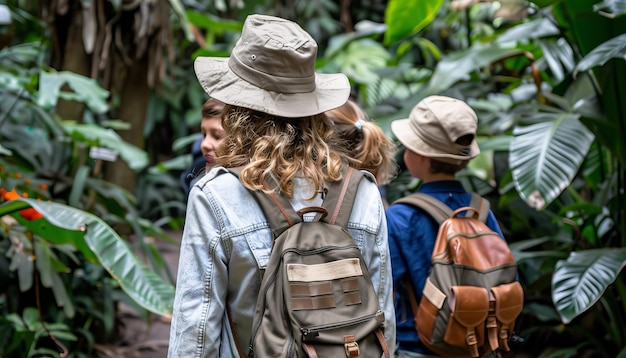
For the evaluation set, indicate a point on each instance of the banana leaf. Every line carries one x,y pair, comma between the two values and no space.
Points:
63,224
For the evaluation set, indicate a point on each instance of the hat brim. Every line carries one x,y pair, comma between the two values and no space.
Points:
404,132
217,80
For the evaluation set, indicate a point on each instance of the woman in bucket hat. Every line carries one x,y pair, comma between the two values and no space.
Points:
275,124
439,139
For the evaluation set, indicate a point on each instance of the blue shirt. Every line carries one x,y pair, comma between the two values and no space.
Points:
412,235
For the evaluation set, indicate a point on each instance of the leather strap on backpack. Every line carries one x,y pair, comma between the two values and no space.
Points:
234,333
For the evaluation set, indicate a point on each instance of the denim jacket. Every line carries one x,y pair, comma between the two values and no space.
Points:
226,243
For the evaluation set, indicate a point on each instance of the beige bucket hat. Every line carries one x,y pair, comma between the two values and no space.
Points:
434,126
272,70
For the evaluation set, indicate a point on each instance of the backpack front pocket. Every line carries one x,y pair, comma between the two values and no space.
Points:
469,307
509,301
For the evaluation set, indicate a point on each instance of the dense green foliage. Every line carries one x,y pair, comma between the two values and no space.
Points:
545,77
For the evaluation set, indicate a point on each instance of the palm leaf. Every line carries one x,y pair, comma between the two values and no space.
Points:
580,281
545,156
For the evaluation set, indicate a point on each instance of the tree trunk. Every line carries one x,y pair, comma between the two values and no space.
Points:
134,98
74,59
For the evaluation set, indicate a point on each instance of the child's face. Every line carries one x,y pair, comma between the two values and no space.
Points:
213,134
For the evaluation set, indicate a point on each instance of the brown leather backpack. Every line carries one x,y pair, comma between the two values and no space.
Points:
316,297
472,297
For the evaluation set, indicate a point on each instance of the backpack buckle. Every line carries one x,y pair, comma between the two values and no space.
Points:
352,347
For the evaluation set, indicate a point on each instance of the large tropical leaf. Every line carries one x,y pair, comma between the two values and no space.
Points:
458,65
580,281
140,283
406,17
361,59
545,156
85,89
613,48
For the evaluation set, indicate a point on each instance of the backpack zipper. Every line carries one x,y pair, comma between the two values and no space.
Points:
307,331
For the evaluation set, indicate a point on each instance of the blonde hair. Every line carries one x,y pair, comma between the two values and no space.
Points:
265,144
367,144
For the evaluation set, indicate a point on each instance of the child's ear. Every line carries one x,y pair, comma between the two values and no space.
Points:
425,161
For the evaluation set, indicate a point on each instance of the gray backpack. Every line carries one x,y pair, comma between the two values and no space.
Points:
316,297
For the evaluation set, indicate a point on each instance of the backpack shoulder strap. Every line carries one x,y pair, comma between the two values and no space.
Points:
434,207
440,211
340,197
482,205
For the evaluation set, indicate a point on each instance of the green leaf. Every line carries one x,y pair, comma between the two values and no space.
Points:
544,3
4,151
213,23
611,8
85,89
534,29
20,253
613,48
338,43
407,17
31,317
50,277
140,283
78,185
360,60
545,156
179,8
94,135
458,65
48,231
580,281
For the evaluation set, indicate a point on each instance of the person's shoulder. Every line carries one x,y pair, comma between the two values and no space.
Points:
404,211
367,185
217,176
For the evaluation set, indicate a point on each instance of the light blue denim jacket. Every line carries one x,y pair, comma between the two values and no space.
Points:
226,241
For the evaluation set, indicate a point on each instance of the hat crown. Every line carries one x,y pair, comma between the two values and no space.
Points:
275,54
445,117
435,126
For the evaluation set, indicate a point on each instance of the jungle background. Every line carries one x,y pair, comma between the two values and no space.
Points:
99,105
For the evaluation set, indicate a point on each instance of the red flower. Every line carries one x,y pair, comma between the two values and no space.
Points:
28,214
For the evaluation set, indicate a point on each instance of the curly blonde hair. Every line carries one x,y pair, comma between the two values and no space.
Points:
264,144
368,146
